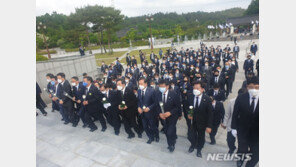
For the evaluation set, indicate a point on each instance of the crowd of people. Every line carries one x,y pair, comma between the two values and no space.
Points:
152,98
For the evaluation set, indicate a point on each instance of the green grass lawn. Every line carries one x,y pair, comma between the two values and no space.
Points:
107,58
43,52
147,51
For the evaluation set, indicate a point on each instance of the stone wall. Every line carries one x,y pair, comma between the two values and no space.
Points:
71,66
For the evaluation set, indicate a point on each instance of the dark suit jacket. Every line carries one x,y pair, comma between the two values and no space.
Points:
172,104
66,87
203,115
248,65
149,100
130,101
114,98
219,97
93,97
244,120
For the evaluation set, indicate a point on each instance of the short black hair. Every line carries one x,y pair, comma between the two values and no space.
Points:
75,78
61,74
253,80
122,81
162,81
216,85
241,91
84,74
202,84
145,80
88,78
50,75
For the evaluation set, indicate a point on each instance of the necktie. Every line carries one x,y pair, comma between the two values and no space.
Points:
253,104
163,99
142,95
216,79
196,103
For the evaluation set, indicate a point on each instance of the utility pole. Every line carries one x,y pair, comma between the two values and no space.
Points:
149,19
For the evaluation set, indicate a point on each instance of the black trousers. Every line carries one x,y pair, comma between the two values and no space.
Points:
149,126
230,141
228,86
100,117
129,122
245,146
88,115
114,118
170,130
80,110
196,137
41,108
214,132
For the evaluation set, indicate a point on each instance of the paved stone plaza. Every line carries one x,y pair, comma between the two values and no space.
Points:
62,145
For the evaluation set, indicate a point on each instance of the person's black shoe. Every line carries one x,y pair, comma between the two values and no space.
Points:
239,163
198,154
84,125
157,139
213,142
116,133
52,110
150,141
103,129
171,148
66,122
36,114
139,135
93,129
62,119
44,114
230,152
131,136
74,125
191,149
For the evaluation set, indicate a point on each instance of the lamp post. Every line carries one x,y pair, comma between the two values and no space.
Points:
149,19
42,28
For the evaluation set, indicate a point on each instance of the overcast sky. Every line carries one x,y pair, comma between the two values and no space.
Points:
140,7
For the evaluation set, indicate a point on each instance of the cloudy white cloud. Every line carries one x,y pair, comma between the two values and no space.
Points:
140,7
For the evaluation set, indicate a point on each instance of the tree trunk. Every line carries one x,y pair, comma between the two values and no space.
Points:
109,39
100,41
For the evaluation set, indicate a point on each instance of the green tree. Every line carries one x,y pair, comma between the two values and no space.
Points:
253,8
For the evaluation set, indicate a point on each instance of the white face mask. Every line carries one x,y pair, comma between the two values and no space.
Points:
119,87
126,81
141,87
73,84
254,92
196,92
48,80
153,86
59,81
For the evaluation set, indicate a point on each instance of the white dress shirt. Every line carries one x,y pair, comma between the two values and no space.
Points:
199,100
256,101
165,96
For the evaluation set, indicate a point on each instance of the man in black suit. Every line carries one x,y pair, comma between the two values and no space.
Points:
50,86
227,74
65,101
248,65
39,101
257,67
201,118
128,59
245,122
218,79
78,90
217,93
253,48
103,67
236,50
147,108
91,100
169,112
218,116
113,99
130,110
